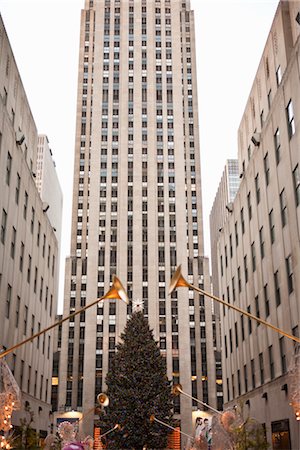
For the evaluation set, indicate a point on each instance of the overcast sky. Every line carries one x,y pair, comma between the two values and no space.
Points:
231,34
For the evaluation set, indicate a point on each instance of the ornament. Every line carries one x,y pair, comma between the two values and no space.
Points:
67,432
294,388
10,396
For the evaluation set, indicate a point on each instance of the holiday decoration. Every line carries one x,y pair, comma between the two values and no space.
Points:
10,396
4,442
67,438
294,377
230,431
137,388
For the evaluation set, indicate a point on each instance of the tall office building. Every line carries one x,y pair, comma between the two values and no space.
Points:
221,207
137,208
259,247
28,248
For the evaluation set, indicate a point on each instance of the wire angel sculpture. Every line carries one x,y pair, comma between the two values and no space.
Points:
10,396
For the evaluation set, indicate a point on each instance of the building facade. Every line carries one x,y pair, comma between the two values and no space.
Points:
259,249
48,185
28,248
137,208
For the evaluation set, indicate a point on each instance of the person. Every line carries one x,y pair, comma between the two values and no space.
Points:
209,439
198,426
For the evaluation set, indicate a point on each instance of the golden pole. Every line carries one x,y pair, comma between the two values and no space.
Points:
177,389
178,281
109,431
154,419
116,292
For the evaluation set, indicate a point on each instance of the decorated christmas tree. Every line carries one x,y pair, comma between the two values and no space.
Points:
137,387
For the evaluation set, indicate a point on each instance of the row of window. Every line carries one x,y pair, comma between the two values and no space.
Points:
250,369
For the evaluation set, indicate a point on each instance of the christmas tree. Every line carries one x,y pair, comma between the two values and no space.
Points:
137,387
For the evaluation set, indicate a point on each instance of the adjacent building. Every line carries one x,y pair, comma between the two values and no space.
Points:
137,207
222,206
259,249
28,247
48,184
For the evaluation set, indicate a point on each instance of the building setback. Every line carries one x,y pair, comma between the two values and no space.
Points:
137,208
28,248
259,249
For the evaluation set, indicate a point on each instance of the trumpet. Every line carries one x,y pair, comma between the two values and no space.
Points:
179,281
103,399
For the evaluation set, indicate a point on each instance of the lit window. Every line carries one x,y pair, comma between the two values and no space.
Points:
290,119
296,180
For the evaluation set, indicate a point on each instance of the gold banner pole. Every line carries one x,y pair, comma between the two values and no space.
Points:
154,419
177,389
178,281
116,292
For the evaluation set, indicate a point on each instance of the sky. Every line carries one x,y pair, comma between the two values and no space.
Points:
230,38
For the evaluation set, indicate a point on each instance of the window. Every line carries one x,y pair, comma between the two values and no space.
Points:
25,205
283,207
242,220
249,320
8,301
8,168
261,368
239,279
236,234
13,243
246,378
17,193
32,220
266,298
242,327
289,274
29,269
271,362
267,169
278,75
262,242
25,319
21,257
282,354
3,225
296,180
253,373
249,205
277,288
272,225
257,309
277,145
290,119
245,269
18,311
253,257
257,189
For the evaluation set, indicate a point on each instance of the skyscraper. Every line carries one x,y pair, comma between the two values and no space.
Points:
137,208
221,207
